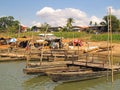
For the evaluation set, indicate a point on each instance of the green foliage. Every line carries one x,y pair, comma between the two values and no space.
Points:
99,37
69,24
104,37
90,23
89,31
114,22
34,28
71,34
8,23
64,28
45,27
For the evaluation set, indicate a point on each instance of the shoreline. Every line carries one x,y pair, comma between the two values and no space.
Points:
20,53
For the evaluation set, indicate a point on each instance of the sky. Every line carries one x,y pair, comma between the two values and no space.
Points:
56,12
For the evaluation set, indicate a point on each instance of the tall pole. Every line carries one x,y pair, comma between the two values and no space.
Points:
46,27
108,41
19,29
111,53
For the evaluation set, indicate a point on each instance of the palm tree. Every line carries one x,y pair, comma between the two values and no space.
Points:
96,24
90,23
45,27
102,23
69,24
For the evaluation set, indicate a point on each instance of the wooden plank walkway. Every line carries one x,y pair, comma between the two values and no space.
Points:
12,55
6,59
96,65
49,63
57,65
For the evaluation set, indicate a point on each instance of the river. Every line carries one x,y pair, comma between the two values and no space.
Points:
13,78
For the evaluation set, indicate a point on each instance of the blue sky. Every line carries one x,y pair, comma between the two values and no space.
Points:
55,12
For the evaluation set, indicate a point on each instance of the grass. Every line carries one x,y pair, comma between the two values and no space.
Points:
80,35
104,37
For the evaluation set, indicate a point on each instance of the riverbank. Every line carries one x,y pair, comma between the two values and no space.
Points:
115,49
21,53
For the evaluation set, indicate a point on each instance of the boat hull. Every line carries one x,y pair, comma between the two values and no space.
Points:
78,76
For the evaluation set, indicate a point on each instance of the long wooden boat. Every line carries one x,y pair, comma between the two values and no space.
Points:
79,75
41,70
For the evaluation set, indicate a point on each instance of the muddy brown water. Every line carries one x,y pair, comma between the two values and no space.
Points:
13,78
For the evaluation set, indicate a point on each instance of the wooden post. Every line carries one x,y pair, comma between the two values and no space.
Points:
27,59
28,53
0,52
65,53
8,50
111,53
73,39
73,58
41,57
108,49
92,58
86,58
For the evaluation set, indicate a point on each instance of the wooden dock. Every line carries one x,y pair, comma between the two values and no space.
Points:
35,54
62,54
35,68
89,61
98,65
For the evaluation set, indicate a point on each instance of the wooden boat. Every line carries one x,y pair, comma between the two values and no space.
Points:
78,74
41,70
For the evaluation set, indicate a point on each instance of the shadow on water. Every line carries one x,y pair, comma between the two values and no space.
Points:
39,83
95,84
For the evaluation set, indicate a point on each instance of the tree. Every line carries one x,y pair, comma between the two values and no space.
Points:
114,21
64,28
90,23
95,23
8,23
69,24
45,27
102,23
34,28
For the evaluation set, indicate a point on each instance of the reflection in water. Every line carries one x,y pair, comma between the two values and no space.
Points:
95,84
13,78
39,83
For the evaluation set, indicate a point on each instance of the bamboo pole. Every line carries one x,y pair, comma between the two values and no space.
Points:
41,57
108,44
43,46
28,51
78,49
111,53
19,28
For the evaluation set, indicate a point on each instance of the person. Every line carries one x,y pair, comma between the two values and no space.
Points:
56,45
53,45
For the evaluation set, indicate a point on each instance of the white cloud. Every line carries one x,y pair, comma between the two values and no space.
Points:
116,13
34,23
95,19
58,17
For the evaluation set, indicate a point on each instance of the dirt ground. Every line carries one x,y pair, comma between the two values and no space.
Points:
115,49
